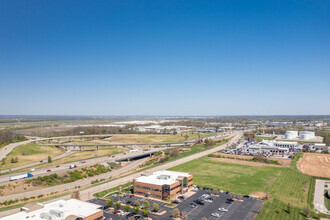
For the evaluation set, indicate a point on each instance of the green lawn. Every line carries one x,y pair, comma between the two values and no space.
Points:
260,138
232,177
326,200
285,185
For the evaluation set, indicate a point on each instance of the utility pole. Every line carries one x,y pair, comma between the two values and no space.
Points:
47,146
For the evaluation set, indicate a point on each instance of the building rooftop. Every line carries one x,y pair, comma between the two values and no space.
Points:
163,177
58,210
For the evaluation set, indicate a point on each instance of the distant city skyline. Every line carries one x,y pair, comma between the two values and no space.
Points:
160,58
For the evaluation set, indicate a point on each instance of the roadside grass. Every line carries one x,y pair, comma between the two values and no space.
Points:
326,200
152,138
30,153
284,185
124,188
260,138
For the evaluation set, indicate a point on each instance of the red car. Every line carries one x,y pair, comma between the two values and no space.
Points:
83,161
131,196
116,212
49,170
109,156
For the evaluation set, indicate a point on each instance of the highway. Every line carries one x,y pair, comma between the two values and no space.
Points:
88,192
65,167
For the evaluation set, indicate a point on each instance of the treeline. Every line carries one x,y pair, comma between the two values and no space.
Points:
101,130
326,136
9,137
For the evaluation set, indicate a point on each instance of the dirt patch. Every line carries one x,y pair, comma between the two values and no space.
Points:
315,164
261,195
241,159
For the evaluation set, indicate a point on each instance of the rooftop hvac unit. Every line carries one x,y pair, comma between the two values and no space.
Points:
57,213
47,216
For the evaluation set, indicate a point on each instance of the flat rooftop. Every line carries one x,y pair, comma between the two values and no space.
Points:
163,177
66,208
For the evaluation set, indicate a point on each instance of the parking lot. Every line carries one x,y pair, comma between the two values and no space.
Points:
243,208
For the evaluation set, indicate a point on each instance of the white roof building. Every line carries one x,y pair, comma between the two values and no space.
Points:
163,177
59,210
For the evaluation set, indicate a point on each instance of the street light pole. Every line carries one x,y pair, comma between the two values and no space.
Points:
47,146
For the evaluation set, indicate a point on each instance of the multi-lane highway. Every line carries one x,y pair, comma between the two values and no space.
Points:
85,193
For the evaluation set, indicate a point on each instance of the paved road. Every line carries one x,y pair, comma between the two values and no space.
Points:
82,182
65,167
319,196
8,148
87,193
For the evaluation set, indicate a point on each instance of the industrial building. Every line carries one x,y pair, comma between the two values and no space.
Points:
72,209
163,184
273,146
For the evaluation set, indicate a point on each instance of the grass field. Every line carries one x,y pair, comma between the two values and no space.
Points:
285,185
326,200
30,153
260,138
155,138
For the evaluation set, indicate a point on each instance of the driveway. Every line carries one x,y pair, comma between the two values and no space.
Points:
319,195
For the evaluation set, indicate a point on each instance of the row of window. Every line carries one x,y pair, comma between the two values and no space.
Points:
148,188
149,195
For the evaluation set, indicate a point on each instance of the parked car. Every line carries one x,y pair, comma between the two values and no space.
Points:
223,210
192,205
216,215
131,196
199,202
117,212
246,196
128,202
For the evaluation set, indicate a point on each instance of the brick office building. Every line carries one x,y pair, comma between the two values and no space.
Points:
163,184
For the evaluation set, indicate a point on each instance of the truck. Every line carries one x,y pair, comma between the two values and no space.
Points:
21,176
134,150
72,166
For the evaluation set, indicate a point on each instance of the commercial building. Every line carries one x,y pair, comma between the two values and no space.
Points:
272,146
72,209
163,184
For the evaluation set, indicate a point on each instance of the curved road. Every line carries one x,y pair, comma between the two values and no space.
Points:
87,192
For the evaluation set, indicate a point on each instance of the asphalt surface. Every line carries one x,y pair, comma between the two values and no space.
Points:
5,179
86,194
319,195
245,209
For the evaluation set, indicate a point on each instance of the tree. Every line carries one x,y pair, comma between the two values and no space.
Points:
3,161
176,213
127,207
145,212
117,205
75,195
146,204
175,152
136,210
49,159
137,203
110,202
155,207
186,137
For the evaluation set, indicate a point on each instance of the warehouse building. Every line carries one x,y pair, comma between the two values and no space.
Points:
163,184
72,209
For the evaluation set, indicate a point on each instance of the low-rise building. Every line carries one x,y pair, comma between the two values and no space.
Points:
72,209
163,184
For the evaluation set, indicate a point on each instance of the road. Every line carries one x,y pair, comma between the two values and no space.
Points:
8,148
319,195
87,193
65,167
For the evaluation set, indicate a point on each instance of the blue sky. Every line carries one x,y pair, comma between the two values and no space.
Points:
165,57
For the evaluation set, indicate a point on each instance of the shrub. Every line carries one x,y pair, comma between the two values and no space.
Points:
117,205
136,210
176,213
155,207
127,207
145,212
109,202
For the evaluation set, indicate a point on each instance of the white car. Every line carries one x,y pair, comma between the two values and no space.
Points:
216,215
223,210
208,200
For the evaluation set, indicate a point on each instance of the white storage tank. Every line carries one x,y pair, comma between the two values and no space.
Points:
304,136
288,135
